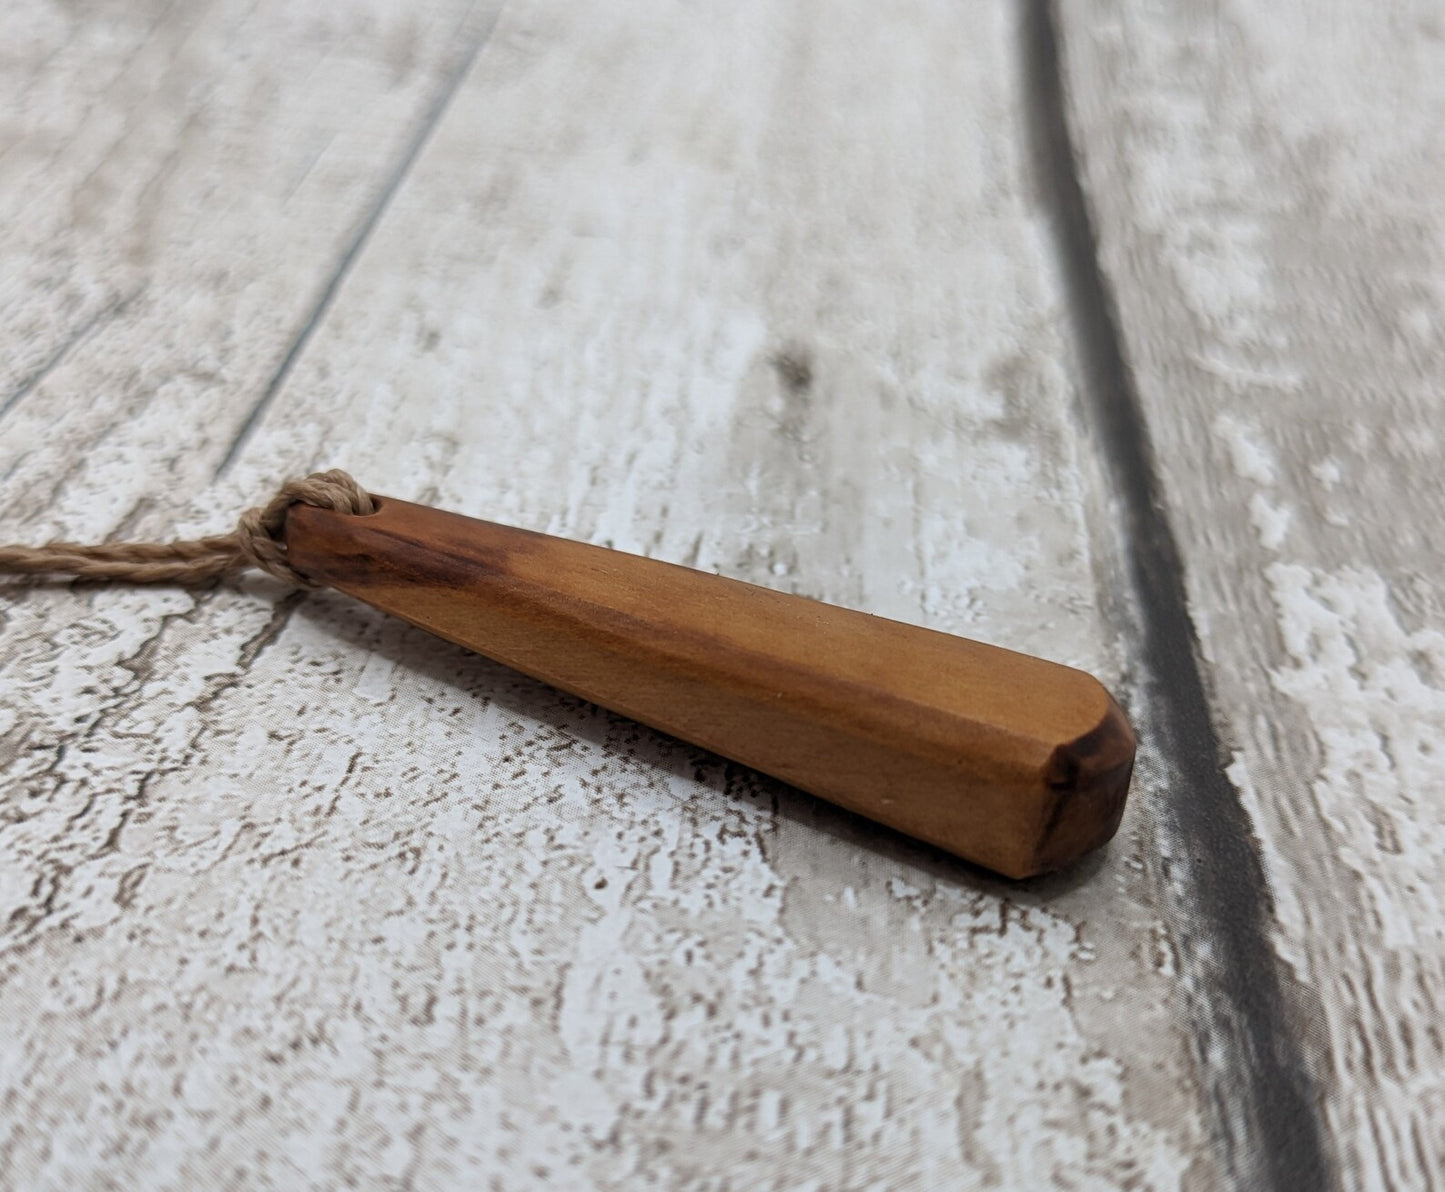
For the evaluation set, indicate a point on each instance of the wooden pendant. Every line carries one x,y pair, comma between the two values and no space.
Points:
1009,761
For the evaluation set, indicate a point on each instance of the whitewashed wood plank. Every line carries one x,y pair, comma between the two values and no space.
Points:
178,183
312,898
1267,187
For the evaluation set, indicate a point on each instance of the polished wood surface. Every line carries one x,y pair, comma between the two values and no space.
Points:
1010,761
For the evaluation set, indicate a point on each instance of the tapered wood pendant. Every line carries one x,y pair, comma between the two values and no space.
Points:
1009,761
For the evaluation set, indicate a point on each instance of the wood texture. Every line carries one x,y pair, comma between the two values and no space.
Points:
1013,762
1266,184
295,895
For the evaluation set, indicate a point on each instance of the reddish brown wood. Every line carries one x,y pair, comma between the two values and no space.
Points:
1015,763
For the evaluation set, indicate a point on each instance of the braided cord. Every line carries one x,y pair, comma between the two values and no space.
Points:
255,542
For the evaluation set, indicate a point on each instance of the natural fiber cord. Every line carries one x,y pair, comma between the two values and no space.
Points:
255,542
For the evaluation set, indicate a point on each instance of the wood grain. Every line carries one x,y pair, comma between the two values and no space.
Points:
179,191
295,894
1013,762
1266,185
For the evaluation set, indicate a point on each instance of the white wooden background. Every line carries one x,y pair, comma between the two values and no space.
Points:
1112,334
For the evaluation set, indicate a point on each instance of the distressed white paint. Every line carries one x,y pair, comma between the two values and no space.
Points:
1267,181
295,895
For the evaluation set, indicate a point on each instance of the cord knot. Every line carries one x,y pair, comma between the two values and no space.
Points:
258,533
